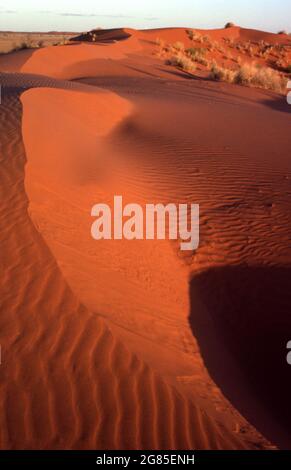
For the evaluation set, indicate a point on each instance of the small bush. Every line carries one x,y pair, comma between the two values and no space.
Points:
250,75
229,25
190,33
197,55
261,77
194,52
64,41
182,62
197,37
221,73
282,32
23,45
179,46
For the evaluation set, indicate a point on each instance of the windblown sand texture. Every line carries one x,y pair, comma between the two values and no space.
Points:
122,344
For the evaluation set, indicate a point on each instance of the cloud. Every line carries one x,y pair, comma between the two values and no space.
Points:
8,12
98,15
95,15
84,15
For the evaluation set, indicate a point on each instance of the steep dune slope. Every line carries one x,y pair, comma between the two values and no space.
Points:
66,381
149,304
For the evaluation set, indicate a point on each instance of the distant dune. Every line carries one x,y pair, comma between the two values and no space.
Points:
121,344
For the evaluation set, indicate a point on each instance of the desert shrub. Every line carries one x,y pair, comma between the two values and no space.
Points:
250,75
205,39
250,49
182,62
280,64
262,77
197,37
190,34
202,61
229,25
282,32
23,45
197,55
280,48
262,44
193,51
179,46
221,73
220,49
64,41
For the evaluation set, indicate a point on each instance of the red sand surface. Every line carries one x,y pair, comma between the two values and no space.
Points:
134,344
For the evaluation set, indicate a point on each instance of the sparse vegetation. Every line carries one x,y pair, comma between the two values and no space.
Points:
16,47
197,37
13,42
282,32
250,75
271,77
186,59
262,77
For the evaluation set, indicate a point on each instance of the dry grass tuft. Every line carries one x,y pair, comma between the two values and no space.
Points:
190,34
262,77
178,46
181,61
250,75
221,73
197,54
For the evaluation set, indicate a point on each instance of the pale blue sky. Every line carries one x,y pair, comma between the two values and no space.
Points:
67,15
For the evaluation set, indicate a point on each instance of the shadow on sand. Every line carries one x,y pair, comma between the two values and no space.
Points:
241,317
279,104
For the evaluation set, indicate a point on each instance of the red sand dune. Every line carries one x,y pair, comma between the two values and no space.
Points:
131,344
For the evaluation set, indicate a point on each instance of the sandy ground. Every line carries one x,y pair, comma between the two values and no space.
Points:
134,344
